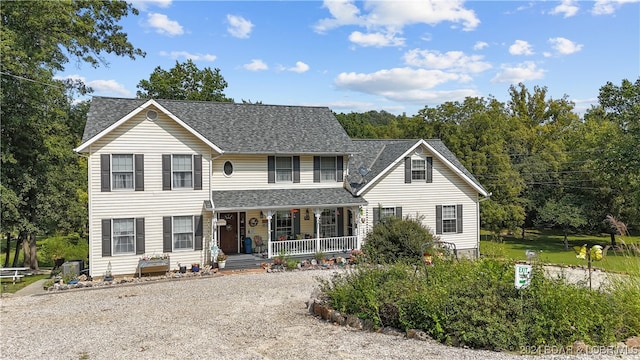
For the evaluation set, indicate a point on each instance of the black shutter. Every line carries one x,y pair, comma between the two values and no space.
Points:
167,234
407,170
197,172
340,219
296,222
166,172
271,169
399,212
105,172
106,237
429,170
296,169
376,215
197,245
459,218
339,168
139,236
139,172
438,219
316,169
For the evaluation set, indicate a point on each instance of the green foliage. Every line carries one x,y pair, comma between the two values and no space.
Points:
394,239
70,247
184,82
475,304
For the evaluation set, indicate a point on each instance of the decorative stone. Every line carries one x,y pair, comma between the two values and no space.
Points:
633,342
354,322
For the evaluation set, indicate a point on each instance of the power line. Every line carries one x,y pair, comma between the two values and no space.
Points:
31,80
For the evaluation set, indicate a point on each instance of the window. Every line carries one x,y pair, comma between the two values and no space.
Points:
418,169
380,213
389,211
122,171
449,219
328,168
284,169
182,170
284,225
183,232
123,238
328,223
227,168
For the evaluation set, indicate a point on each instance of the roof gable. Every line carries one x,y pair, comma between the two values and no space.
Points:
233,128
378,157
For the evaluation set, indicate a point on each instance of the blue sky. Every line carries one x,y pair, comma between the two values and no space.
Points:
397,56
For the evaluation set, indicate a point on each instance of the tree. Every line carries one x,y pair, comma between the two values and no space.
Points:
184,82
38,39
565,213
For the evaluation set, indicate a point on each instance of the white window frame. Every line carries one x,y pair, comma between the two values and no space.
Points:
387,211
283,224
449,219
120,173
224,172
418,169
328,173
178,184
328,223
284,174
175,232
129,237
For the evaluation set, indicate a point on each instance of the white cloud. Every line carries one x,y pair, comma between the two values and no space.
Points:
454,60
391,17
520,47
375,39
397,79
145,4
479,45
103,87
521,73
188,55
299,68
255,65
239,27
565,46
567,7
164,25
606,7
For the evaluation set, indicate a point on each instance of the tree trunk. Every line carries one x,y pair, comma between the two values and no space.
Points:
524,232
17,253
26,252
613,240
7,251
33,264
566,241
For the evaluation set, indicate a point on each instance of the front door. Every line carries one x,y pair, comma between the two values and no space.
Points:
229,233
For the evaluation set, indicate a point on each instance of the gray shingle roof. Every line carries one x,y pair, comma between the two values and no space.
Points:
239,128
284,198
377,155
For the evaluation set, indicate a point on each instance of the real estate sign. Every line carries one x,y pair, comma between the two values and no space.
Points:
523,276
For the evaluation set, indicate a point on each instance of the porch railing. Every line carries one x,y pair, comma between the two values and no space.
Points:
312,246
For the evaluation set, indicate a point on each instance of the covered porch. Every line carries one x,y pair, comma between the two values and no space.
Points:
285,221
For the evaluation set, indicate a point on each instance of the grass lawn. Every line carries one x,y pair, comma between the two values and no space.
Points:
550,248
8,286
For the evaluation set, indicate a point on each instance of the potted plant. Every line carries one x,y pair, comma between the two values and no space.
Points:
195,267
222,260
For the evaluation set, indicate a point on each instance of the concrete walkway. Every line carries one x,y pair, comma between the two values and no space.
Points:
36,288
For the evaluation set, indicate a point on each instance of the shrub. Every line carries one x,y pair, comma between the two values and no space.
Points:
475,304
70,247
394,239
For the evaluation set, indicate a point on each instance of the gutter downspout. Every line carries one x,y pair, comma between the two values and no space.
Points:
478,219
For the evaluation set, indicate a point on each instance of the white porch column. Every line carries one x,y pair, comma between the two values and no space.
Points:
318,214
213,245
269,230
355,211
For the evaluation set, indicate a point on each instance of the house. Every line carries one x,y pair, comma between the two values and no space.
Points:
173,178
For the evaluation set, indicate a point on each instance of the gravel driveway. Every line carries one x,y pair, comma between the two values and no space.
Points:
243,316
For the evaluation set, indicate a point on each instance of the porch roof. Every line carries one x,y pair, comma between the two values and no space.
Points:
284,198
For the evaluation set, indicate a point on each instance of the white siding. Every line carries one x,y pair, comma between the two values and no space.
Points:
250,173
420,198
153,139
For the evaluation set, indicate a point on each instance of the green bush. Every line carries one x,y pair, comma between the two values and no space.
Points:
475,304
69,247
394,239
